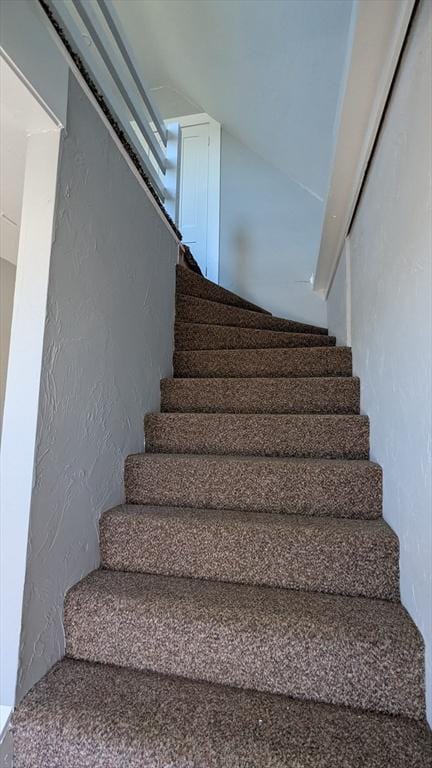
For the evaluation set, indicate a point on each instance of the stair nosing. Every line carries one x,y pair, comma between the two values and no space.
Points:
264,415
249,379
218,326
254,458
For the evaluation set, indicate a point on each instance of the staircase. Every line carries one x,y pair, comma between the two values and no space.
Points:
246,613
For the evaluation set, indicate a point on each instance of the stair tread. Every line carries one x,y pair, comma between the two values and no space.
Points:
103,716
358,557
312,435
341,650
189,336
334,394
197,285
270,363
194,309
335,487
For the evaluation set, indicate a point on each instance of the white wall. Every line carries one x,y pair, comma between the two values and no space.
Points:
271,74
7,287
391,317
27,40
269,235
108,341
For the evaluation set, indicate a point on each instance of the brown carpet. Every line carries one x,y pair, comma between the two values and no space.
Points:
314,436
270,363
195,285
298,643
337,394
204,336
191,309
85,715
347,557
260,484
204,579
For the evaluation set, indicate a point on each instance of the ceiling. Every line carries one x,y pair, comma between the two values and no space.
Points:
269,71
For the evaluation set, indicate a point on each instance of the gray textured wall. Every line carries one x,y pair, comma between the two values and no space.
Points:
108,341
391,315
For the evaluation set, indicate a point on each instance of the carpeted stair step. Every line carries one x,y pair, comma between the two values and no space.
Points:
200,336
308,395
191,309
351,557
268,363
313,436
97,716
330,648
333,487
195,285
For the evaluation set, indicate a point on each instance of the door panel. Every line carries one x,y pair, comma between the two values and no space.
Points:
194,181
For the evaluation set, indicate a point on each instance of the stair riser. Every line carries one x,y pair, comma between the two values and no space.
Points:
268,363
194,285
173,634
196,336
340,489
334,437
355,562
191,309
298,396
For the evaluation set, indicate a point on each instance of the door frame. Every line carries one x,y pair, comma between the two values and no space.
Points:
213,201
23,381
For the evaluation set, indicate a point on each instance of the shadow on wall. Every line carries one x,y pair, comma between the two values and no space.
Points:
240,254
7,288
269,235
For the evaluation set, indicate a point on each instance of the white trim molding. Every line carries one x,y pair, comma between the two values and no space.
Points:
378,32
213,220
22,391
173,161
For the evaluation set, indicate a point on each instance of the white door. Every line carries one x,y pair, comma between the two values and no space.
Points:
199,191
194,181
